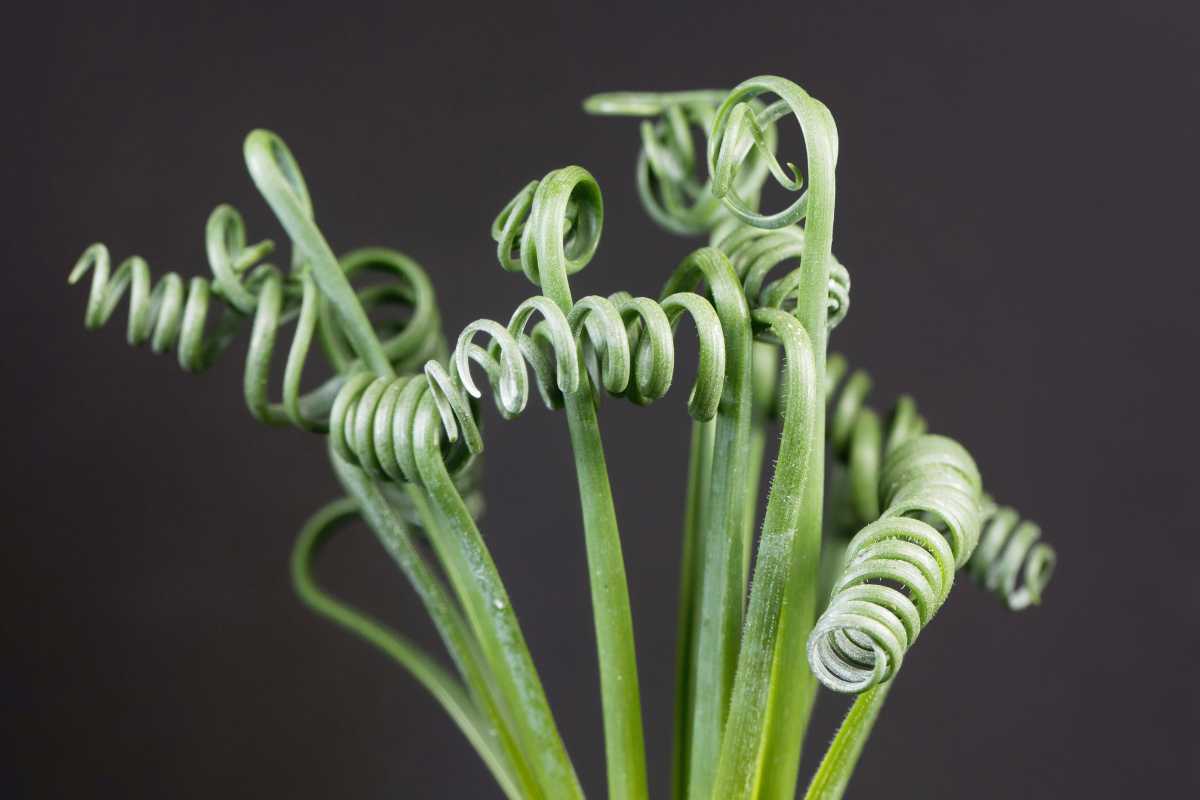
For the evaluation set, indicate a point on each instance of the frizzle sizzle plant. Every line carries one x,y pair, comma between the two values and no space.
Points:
836,601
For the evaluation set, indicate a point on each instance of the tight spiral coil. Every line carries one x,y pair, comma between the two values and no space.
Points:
899,569
622,344
630,339
167,315
1010,559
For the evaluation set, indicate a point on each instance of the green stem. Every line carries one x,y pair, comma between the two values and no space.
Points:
792,685
447,691
763,371
831,778
699,463
397,540
448,556
624,747
780,548
277,176
717,615
490,611
620,697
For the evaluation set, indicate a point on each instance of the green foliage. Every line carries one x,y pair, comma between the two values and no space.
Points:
835,599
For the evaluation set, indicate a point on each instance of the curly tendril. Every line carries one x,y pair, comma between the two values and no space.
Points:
630,338
1010,560
667,183
738,128
755,252
403,415
680,203
860,439
551,229
415,337
167,315
899,569
167,319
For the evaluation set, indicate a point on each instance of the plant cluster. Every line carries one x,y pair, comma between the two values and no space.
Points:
847,568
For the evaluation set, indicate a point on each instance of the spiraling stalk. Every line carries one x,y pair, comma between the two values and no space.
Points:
899,569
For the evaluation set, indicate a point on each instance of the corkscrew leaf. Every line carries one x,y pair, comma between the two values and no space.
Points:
557,222
667,187
899,569
225,245
1010,560
402,414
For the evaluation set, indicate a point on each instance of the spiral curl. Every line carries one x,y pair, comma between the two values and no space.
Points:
680,203
900,568
860,439
667,184
1010,560
165,313
168,316
755,252
740,129
630,341
622,344
561,215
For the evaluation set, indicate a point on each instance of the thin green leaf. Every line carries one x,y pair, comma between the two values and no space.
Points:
448,692
837,767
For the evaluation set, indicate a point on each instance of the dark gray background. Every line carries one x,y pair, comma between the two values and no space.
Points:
1016,203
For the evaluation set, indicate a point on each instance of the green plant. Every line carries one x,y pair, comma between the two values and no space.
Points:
835,598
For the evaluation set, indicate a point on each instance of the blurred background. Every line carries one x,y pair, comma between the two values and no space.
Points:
1015,204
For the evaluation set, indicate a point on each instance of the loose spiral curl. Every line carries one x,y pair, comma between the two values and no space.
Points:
623,344
899,569
667,185
755,252
679,202
1010,560
739,131
166,315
